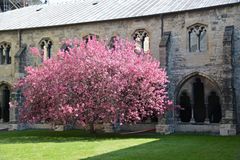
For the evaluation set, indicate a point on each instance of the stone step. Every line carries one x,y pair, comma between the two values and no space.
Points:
4,126
3,129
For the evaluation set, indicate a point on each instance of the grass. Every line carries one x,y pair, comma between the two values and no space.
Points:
78,145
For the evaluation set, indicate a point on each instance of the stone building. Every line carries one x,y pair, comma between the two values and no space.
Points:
197,41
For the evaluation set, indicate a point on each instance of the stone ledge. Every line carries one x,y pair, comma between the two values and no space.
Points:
137,127
198,128
228,130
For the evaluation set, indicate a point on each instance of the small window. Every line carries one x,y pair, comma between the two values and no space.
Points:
66,47
112,42
197,38
90,37
5,55
141,39
46,48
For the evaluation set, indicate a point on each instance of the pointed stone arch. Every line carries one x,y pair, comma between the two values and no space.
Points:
45,45
194,74
205,96
5,52
142,40
90,36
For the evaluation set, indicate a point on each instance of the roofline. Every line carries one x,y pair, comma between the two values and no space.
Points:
116,19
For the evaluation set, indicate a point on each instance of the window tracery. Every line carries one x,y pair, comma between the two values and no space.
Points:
5,55
46,48
197,38
141,39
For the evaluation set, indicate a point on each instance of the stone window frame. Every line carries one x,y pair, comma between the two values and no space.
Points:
65,47
5,49
141,33
195,28
112,41
46,52
90,35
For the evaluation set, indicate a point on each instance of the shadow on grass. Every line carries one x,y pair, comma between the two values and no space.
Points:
179,147
146,151
172,147
41,136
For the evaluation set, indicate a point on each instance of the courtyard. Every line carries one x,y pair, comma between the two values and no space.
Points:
80,145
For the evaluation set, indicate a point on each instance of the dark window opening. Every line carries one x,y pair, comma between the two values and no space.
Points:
214,108
186,109
90,37
46,48
199,105
5,54
4,103
112,42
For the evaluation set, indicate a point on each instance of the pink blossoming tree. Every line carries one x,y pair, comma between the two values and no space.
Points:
91,83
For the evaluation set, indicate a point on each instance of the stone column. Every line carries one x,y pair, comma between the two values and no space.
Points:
192,118
207,118
13,108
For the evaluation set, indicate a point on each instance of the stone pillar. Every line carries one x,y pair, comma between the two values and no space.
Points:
13,107
207,118
165,124
20,60
228,124
163,49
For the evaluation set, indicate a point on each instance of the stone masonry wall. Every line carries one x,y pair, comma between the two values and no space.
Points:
214,63
7,72
236,63
105,30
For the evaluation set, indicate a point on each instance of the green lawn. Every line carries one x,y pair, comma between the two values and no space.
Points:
76,145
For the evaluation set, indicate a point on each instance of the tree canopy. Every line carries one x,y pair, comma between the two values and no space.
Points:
89,83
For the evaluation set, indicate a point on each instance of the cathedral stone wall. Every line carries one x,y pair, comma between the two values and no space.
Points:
7,72
219,63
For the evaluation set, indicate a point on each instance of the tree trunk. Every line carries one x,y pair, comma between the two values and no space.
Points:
92,129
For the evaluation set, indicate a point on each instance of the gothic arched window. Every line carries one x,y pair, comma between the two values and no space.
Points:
90,37
141,39
46,48
197,38
113,41
5,56
66,47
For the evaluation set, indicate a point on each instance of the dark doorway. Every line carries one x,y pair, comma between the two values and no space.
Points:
214,108
198,97
186,110
5,103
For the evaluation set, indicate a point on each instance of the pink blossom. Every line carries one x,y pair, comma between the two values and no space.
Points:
35,52
94,84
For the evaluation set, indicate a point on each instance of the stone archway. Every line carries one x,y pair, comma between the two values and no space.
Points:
4,102
199,98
